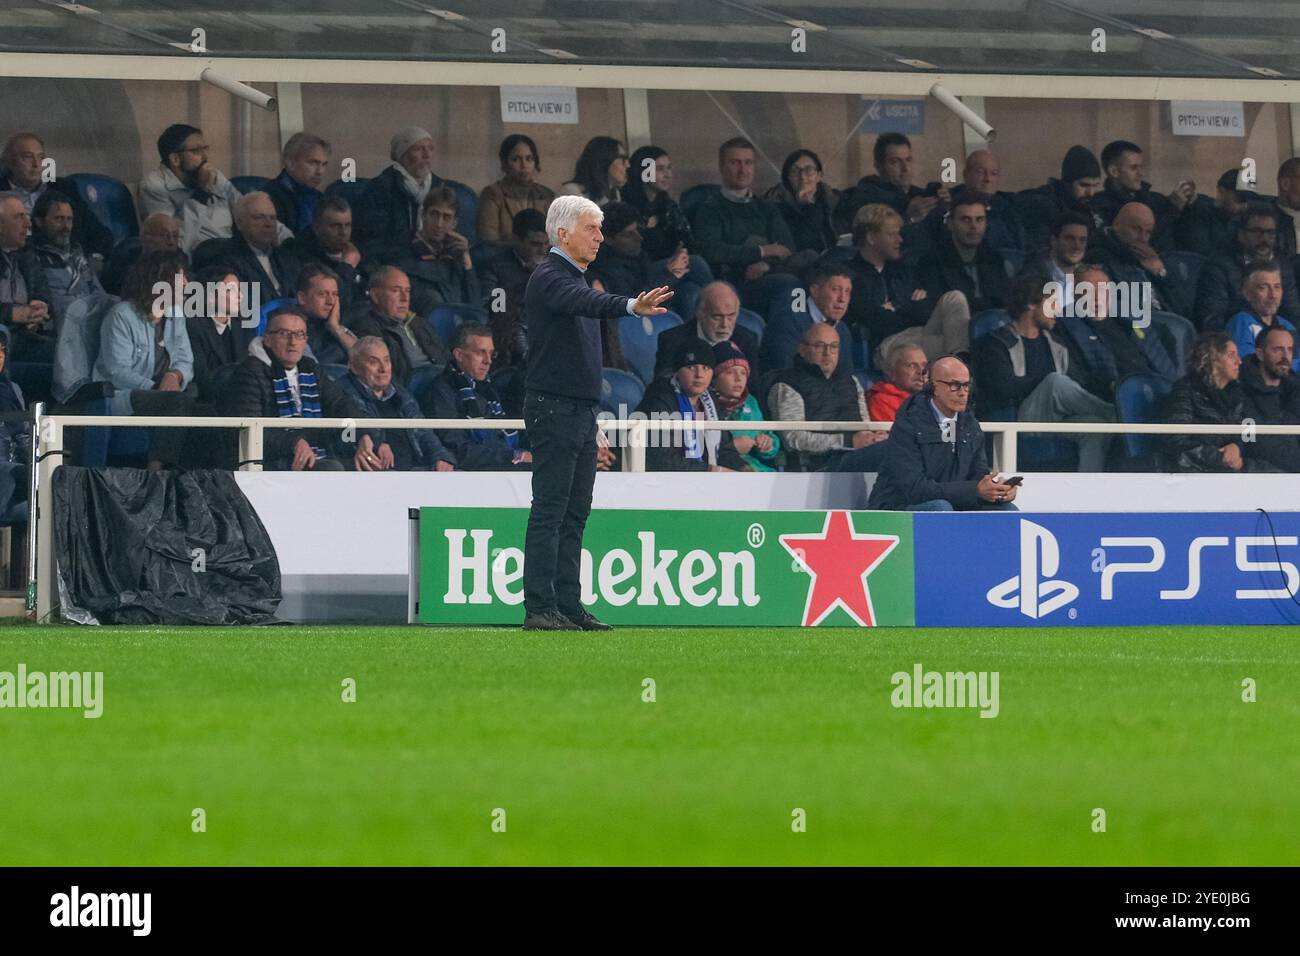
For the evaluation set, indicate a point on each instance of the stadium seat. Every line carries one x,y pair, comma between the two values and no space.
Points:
466,209
694,197
249,184
269,307
110,201
639,337
753,322
1014,259
990,320
1184,266
1178,330
334,372
445,318
619,388
866,377
353,192
1139,399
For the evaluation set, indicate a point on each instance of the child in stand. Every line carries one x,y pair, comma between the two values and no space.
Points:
760,449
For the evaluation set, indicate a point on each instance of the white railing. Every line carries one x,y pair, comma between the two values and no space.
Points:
50,447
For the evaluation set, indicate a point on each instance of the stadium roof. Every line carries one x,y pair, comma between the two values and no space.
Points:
1157,39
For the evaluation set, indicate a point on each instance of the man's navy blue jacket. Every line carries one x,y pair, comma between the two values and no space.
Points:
562,313
920,466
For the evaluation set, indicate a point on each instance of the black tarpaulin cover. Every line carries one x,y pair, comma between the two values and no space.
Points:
170,547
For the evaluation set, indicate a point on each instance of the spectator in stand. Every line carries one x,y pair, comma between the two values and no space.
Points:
218,337
886,298
1103,349
1288,208
825,299
935,458
1206,225
743,238
284,383
465,390
369,383
761,450
1210,394
664,227
68,270
891,185
437,261
329,341
412,343
24,292
716,315
23,171
816,389
1041,206
390,211
1124,250
187,188
1262,290
1272,394
328,243
252,253
144,353
624,269
981,176
1125,166
601,171
158,233
1254,239
509,267
806,203
516,190
1065,249
15,446
296,191
684,396
906,371
964,261
1024,366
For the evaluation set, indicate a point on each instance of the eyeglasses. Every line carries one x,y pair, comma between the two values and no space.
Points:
954,386
805,170
289,334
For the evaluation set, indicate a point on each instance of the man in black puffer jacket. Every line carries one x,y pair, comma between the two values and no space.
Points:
1273,394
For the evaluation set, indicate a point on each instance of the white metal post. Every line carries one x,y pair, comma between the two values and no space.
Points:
50,455
250,447
1004,451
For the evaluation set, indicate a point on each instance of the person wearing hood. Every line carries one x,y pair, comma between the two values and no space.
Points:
389,213
761,450
1041,206
685,396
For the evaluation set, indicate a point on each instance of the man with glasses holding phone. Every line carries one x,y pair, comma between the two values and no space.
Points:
934,458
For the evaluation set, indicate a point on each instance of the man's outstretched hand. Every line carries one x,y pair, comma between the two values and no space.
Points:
650,303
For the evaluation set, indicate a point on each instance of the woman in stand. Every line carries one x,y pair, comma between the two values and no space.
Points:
516,190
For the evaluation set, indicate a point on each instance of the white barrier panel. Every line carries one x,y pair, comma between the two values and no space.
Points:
343,538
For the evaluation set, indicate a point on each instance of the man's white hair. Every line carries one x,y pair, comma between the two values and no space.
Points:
246,200
564,213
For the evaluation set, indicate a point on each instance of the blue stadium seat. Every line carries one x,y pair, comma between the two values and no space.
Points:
334,372
752,321
990,320
249,184
110,201
1184,266
354,192
1014,259
1180,330
1139,399
619,388
866,377
445,318
694,197
639,337
269,307
466,209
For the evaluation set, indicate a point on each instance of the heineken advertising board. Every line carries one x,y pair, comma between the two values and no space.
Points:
793,568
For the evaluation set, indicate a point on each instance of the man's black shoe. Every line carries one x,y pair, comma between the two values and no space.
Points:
551,620
583,619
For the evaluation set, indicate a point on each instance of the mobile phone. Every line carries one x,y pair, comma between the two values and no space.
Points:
1014,480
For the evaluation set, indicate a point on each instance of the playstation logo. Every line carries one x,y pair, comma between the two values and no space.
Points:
1040,557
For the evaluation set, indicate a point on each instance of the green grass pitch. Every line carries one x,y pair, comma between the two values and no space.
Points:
450,724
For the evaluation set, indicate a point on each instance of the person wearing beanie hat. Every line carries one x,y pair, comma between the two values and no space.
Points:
1039,207
683,396
186,187
389,213
760,449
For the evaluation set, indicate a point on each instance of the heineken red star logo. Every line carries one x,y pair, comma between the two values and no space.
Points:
838,562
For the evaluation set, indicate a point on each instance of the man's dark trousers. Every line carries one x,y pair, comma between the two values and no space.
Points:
562,432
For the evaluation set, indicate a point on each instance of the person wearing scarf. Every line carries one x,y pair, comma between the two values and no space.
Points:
730,390
685,396
390,211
